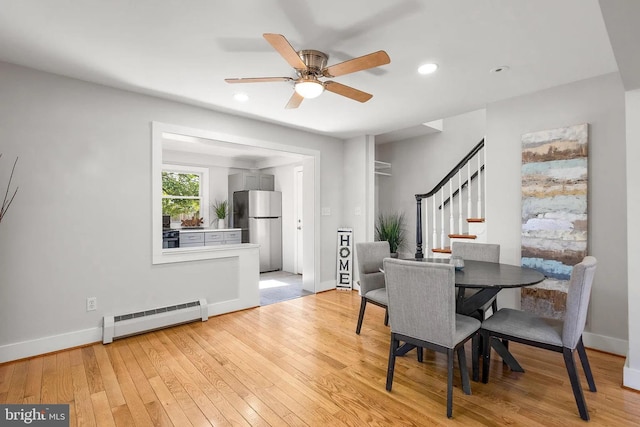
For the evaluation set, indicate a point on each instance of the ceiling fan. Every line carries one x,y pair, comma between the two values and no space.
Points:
311,66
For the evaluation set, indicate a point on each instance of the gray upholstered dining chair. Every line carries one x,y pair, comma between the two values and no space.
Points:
422,312
552,334
372,283
488,252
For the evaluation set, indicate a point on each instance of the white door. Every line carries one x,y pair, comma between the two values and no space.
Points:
298,219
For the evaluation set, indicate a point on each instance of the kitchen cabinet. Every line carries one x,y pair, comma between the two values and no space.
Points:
232,237
225,237
195,238
191,239
213,238
250,181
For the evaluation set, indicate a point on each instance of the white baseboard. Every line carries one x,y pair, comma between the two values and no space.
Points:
230,306
326,285
36,347
604,343
53,343
21,350
630,376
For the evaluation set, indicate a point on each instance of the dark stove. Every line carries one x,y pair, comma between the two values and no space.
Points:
170,238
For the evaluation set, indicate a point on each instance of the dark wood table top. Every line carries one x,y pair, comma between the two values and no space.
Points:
479,274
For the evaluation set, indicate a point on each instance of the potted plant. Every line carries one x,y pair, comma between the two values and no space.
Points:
221,209
391,228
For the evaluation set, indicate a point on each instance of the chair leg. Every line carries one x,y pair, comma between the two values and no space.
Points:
575,383
420,354
449,382
505,343
585,366
475,353
363,305
386,317
494,309
486,356
464,373
392,360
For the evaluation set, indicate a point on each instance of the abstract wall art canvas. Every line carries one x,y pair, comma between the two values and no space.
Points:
554,213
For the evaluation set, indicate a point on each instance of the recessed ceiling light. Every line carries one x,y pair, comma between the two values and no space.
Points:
241,97
500,69
427,68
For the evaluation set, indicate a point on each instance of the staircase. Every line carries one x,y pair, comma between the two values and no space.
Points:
453,209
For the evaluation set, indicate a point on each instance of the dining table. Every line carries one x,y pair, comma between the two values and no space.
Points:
488,278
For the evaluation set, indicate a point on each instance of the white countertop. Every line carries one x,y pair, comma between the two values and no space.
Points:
200,230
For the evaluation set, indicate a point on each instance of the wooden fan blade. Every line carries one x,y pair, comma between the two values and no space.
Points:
357,64
258,79
294,101
280,43
347,91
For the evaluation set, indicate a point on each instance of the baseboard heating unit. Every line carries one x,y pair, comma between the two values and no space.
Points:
139,322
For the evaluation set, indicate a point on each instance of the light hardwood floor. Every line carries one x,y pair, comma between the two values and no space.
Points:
300,363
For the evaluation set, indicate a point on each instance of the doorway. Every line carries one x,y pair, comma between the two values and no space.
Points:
278,286
288,284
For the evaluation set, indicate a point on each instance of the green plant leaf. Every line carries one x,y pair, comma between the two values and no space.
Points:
391,228
221,209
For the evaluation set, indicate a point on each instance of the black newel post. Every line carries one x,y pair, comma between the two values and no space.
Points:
419,254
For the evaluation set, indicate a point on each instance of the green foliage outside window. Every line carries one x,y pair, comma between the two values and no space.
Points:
180,195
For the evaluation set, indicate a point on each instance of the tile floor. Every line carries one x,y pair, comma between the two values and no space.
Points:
279,286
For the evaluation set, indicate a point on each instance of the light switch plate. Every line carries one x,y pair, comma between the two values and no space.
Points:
326,211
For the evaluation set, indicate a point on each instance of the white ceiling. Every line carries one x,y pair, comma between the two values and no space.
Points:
184,50
181,148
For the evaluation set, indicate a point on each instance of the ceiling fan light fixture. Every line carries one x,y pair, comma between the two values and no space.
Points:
309,89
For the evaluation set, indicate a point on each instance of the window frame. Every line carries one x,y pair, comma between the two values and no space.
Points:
204,185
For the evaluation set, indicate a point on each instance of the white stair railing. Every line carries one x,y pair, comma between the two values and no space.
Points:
459,200
434,236
480,164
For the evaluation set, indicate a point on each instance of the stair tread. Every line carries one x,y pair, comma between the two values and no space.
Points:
446,250
463,236
475,219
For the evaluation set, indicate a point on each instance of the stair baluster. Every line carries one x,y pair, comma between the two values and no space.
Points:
425,240
451,221
434,241
469,205
442,218
459,201
419,254
479,189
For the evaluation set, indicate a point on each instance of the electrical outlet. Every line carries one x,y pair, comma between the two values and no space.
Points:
92,303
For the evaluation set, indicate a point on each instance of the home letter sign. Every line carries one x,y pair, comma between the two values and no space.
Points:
345,259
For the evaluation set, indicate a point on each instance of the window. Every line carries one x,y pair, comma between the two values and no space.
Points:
185,193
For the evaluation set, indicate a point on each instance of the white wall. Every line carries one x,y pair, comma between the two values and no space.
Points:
599,102
418,164
358,208
632,368
81,223
357,200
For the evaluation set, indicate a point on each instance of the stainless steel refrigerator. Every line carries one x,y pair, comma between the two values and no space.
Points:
259,215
